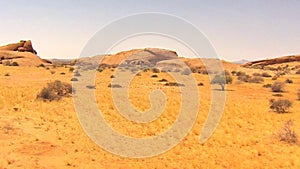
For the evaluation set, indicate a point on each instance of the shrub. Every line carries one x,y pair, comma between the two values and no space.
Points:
277,95
112,76
71,69
244,77
280,105
265,75
200,84
14,64
62,73
6,74
91,87
77,74
298,71
240,73
55,90
52,71
287,133
267,85
298,94
186,71
256,74
155,70
74,79
233,72
163,80
41,65
114,86
278,87
154,76
256,79
288,81
174,84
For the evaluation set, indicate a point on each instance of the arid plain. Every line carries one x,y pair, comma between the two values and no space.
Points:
36,133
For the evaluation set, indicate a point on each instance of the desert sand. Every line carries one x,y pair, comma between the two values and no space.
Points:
44,134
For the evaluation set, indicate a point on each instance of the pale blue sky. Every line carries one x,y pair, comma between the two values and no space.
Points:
239,29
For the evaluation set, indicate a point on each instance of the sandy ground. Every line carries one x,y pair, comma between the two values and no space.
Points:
38,134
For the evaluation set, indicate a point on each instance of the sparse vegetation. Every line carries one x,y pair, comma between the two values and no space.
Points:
77,74
186,71
287,133
267,85
278,87
74,79
174,84
114,86
71,69
55,91
155,70
265,74
280,105
288,81
163,80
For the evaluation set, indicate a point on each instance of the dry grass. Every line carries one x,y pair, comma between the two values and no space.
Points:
38,134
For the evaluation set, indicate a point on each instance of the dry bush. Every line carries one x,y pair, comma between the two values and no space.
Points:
243,77
112,76
71,69
200,84
74,79
287,133
55,91
154,76
114,86
240,73
256,74
280,105
267,85
288,81
298,94
163,80
174,84
256,79
155,70
186,72
6,74
278,87
298,72
77,74
265,74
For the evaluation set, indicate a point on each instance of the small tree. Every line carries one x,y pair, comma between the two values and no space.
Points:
280,105
222,80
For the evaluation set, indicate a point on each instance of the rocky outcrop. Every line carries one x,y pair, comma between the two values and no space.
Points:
266,62
22,46
22,53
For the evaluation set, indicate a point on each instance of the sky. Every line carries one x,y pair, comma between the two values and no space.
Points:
238,29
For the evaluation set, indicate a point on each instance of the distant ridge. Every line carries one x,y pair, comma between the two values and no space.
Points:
266,62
